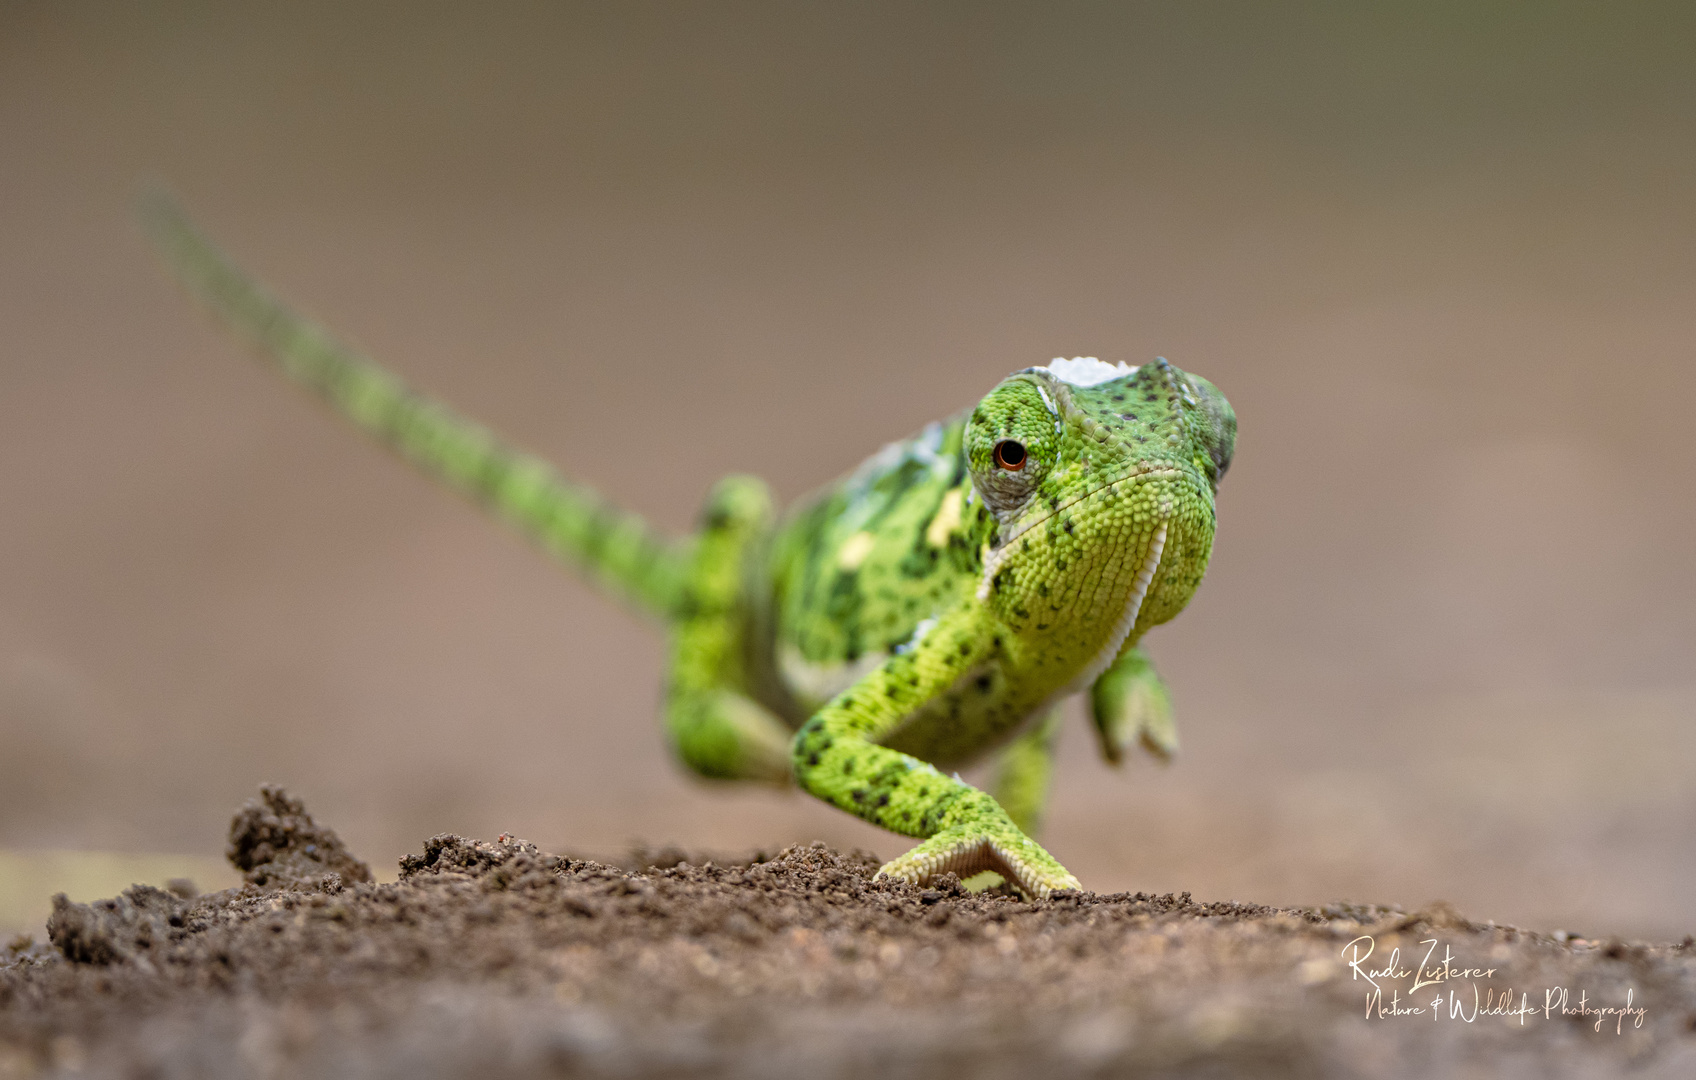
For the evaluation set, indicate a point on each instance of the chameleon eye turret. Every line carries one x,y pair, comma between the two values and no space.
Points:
1012,443
1215,433
930,608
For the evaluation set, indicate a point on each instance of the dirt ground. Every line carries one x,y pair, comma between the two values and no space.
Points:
1439,257
496,959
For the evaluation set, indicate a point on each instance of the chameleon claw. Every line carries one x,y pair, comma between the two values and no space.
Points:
969,855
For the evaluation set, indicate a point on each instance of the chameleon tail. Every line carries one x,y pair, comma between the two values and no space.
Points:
615,549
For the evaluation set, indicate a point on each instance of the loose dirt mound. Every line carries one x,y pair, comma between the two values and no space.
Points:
498,960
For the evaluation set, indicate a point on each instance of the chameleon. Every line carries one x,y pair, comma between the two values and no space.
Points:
932,608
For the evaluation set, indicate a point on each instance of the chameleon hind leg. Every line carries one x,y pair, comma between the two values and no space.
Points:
1024,773
716,728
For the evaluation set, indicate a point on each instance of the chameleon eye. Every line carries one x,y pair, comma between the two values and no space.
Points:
1010,454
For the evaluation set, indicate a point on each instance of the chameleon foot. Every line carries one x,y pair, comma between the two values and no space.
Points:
1130,705
966,851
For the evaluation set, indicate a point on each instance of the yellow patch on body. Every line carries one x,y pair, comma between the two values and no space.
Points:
947,519
855,550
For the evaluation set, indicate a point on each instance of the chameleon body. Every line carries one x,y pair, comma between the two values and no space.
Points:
932,607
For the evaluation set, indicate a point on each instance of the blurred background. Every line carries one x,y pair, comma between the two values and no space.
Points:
1441,260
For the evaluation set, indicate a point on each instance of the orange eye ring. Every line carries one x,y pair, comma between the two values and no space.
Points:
1010,455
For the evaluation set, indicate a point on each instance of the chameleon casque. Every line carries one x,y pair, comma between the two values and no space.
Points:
932,607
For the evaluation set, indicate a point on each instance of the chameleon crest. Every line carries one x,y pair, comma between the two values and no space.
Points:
929,609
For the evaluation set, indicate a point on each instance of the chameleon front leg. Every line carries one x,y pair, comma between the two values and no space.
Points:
1024,773
1130,704
716,728
964,830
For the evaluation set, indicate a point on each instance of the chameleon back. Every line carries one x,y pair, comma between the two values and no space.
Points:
861,567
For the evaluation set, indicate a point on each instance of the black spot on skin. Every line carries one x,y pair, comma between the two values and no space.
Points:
1128,416
813,758
883,800
984,682
1067,525
1151,397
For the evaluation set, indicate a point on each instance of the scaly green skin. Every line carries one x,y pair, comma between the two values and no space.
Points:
930,608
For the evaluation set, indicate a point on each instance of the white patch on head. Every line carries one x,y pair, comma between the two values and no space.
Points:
1052,411
1086,370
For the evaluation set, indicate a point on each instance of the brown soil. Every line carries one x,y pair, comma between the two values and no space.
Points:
495,959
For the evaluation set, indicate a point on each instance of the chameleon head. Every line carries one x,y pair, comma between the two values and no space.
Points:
1100,480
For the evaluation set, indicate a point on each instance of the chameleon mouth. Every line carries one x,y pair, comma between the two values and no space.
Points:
992,561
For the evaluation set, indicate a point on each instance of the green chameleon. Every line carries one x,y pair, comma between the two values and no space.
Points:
933,606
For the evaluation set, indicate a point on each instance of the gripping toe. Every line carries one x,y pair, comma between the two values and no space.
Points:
1020,860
